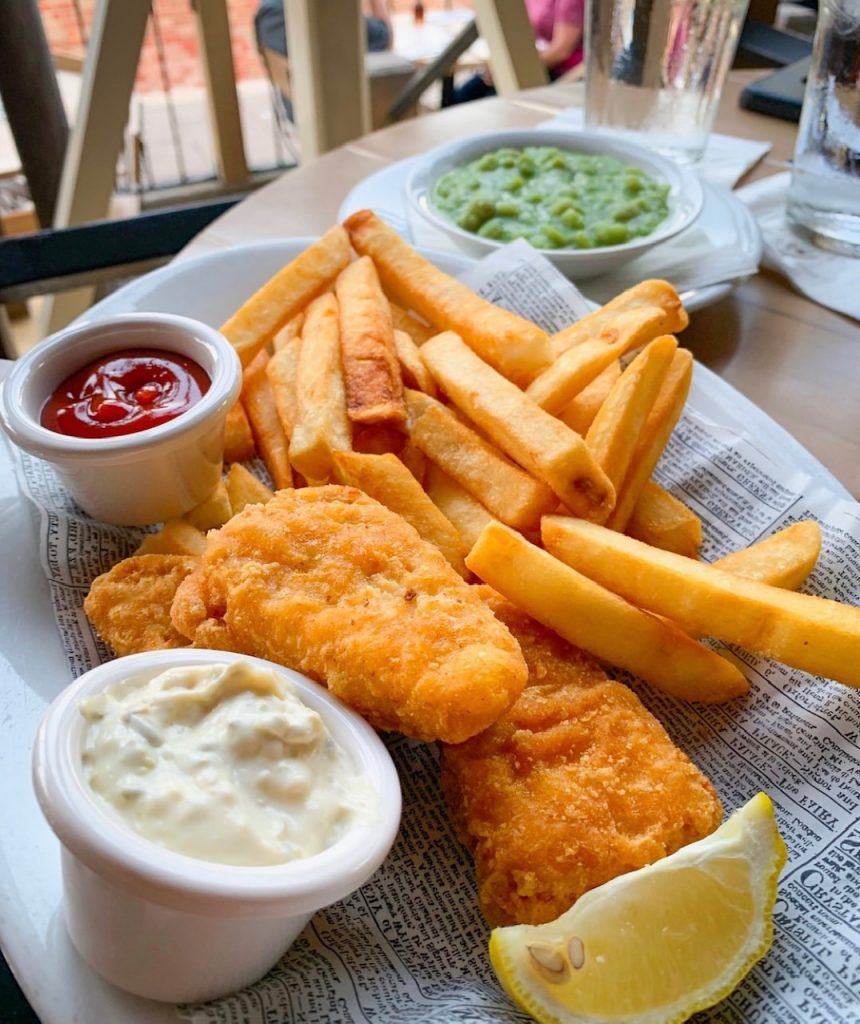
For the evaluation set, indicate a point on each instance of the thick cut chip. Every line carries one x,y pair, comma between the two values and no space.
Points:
129,606
660,519
613,435
259,402
598,621
238,439
579,413
506,490
407,322
458,506
322,426
539,442
516,347
176,537
243,488
331,583
654,437
282,370
809,633
415,373
784,559
657,308
577,367
289,332
385,478
213,512
371,372
257,322
580,756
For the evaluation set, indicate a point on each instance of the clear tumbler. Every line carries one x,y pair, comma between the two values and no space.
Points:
658,67
824,195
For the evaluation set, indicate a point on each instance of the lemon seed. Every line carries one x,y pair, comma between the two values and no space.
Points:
576,952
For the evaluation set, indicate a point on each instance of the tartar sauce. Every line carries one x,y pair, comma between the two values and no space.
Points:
224,763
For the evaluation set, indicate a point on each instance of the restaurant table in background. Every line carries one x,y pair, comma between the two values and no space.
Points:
798,361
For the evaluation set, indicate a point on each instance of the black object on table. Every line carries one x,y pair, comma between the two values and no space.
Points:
779,94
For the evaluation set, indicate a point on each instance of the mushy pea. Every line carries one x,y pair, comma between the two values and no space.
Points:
553,198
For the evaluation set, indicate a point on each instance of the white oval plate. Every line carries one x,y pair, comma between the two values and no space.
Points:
33,666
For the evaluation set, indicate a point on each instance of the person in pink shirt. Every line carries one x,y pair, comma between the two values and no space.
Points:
557,26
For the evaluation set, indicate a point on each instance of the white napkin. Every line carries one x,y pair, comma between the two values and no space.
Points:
725,161
827,278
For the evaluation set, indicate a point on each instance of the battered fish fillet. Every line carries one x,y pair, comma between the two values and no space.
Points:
327,581
129,606
576,784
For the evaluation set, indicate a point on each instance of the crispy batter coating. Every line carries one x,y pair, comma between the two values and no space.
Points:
576,784
327,581
129,606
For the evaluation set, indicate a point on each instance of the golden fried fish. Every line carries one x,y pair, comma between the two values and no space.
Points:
331,583
576,784
129,606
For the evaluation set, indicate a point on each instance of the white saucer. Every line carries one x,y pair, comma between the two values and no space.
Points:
725,224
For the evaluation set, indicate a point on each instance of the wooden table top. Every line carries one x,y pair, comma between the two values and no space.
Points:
795,359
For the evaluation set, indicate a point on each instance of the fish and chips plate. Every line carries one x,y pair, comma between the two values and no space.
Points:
482,535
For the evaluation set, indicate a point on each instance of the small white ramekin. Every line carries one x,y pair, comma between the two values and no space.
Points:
171,927
134,479
686,196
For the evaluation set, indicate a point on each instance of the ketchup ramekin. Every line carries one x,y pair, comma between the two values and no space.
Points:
144,477
171,927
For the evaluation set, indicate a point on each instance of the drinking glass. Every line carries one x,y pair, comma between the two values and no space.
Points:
824,194
658,66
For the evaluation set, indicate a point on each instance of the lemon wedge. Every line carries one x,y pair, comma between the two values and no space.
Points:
656,945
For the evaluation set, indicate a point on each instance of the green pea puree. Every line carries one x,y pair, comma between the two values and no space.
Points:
553,198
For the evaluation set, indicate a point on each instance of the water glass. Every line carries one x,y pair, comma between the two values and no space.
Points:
657,67
824,195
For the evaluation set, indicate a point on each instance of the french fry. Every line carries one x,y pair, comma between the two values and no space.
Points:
322,426
599,621
578,366
506,490
516,347
458,506
537,441
784,559
376,439
282,370
657,303
371,373
243,488
663,521
385,478
213,512
258,320
176,537
259,402
238,440
579,412
809,633
291,330
654,437
413,459
415,373
407,322
613,435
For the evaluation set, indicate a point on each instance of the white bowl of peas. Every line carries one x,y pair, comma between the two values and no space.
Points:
588,202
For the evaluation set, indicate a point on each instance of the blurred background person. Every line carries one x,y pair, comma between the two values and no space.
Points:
558,29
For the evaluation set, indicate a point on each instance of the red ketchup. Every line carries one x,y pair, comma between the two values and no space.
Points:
125,392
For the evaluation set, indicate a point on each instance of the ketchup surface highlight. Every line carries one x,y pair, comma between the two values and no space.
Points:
125,392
